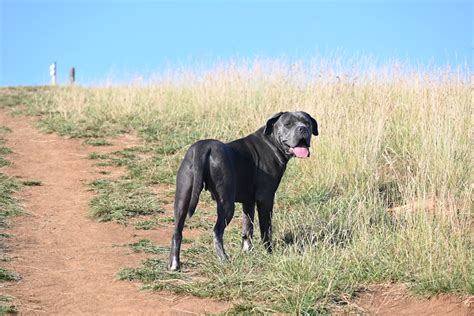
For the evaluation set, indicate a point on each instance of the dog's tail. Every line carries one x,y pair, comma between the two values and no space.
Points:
199,167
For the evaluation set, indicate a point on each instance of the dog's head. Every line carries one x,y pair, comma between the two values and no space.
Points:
292,132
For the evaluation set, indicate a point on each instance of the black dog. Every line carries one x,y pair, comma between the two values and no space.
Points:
247,170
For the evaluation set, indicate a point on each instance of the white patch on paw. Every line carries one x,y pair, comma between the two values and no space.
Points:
247,245
174,264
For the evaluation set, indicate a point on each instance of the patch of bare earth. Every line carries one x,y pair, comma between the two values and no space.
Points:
66,259
394,300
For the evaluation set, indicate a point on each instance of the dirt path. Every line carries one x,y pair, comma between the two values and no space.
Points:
66,259
394,299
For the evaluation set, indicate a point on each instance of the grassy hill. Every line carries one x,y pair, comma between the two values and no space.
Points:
385,197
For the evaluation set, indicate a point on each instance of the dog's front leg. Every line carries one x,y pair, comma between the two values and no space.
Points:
265,211
247,226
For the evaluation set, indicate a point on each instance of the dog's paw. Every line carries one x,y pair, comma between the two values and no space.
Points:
247,245
174,265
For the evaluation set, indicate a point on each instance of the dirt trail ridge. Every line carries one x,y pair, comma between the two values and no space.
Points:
66,259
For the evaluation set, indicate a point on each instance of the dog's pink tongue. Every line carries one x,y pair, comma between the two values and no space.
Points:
300,152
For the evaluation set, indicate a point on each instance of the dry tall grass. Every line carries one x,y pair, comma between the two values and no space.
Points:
389,124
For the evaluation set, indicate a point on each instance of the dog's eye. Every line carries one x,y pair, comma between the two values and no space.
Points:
287,124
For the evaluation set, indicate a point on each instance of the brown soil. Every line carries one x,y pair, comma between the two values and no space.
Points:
394,300
67,260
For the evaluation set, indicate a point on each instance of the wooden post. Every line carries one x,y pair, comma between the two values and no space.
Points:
72,76
52,73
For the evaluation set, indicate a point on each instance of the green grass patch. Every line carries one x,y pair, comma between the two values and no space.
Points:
97,142
13,97
5,151
8,207
8,204
146,246
147,224
6,275
31,183
4,129
104,164
5,305
4,162
167,219
152,269
122,199
95,155
186,240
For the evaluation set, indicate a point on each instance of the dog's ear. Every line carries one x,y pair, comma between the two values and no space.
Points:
271,121
314,125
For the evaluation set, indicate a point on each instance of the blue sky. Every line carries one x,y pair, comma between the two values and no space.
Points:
112,38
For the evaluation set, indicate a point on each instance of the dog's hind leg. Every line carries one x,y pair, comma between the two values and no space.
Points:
247,226
225,212
221,183
180,213
181,206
